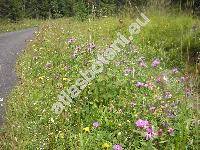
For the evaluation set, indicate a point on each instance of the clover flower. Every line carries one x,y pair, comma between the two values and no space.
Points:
155,63
117,147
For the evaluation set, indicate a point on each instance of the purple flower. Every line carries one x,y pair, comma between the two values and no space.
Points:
96,124
142,123
175,70
117,147
167,95
140,84
170,131
158,79
71,40
155,63
149,133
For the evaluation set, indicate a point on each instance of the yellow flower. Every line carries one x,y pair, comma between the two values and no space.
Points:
41,78
86,129
105,145
65,79
61,135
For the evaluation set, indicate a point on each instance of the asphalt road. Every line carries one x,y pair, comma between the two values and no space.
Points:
11,45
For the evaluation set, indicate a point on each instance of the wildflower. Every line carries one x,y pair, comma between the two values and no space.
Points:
96,124
170,131
152,109
149,133
91,46
155,63
65,79
142,123
105,146
42,77
158,79
142,63
71,40
86,129
175,70
117,147
160,132
127,71
133,104
167,95
140,84
188,92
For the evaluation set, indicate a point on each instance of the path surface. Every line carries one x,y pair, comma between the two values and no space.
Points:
11,44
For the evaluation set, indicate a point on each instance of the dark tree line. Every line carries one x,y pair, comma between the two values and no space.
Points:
17,9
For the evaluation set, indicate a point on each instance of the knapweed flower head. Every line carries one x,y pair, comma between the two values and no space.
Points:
105,145
86,129
142,123
160,132
96,124
117,147
71,40
155,63
149,133
170,131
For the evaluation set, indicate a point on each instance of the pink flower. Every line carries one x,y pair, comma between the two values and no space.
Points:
170,131
71,40
96,124
117,147
155,63
149,133
142,63
160,132
142,123
127,71
168,95
175,70
140,84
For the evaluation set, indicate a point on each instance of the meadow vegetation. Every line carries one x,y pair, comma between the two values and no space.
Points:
144,99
